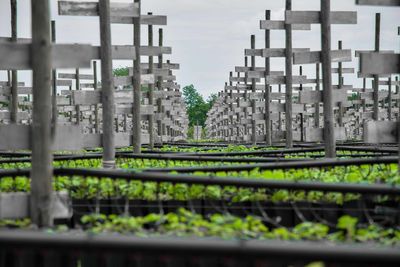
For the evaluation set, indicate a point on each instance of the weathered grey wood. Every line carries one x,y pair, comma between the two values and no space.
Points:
344,70
329,130
159,83
311,97
127,80
18,40
253,89
317,104
359,52
16,56
8,83
389,99
73,8
41,59
151,87
17,137
375,107
289,78
378,2
73,76
340,84
268,125
261,74
280,52
379,64
96,107
21,90
380,132
315,17
54,112
273,80
14,75
253,52
136,125
168,66
77,88
145,20
317,134
280,25
107,85
315,57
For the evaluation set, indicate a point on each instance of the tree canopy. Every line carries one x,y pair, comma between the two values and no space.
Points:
197,107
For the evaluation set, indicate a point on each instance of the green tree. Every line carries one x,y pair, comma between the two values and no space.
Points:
121,71
197,107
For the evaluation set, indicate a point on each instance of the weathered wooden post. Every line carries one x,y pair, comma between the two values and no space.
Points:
325,17
301,114
151,86
96,107
77,88
42,171
378,63
54,85
390,98
107,85
318,89
289,80
14,75
267,96
160,85
253,90
326,58
340,84
376,77
136,116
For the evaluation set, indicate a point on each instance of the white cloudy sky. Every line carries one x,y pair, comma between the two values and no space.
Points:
208,37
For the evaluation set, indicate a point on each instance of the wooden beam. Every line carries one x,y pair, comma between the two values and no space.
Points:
73,8
315,57
378,2
17,56
314,17
280,25
379,63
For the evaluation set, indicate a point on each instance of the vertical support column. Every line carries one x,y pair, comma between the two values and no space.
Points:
390,99
317,104
398,100
363,102
329,134
253,90
159,82
340,83
375,114
268,133
280,113
289,80
151,88
96,107
14,80
42,170
54,111
238,113
136,116
301,114
246,64
77,87
107,85
231,108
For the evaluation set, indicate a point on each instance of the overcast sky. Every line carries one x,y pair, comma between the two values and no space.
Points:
208,37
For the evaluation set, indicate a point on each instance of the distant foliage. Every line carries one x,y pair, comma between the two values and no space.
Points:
121,72
197,107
